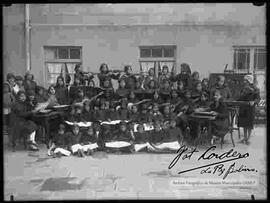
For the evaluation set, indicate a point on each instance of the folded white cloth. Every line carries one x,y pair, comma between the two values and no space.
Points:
75,148
62,151
139,147
117,144
169,145
89,146
112,122
80,124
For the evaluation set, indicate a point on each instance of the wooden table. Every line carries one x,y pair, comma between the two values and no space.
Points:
201,119
44,119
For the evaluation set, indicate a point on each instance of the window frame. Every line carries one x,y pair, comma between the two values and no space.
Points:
60,61
158,59
162,47
252,66
256,53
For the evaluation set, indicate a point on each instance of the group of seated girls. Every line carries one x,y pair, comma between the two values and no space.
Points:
170,99
123,137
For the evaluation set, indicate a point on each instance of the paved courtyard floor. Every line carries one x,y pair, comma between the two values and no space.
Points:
35,176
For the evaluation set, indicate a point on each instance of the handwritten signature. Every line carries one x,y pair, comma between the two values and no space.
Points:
214,168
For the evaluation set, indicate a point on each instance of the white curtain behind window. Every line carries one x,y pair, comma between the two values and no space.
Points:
145,66
169,64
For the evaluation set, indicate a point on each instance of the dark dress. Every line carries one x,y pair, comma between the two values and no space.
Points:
174,134
220,125
61,93
157,137
86,138
74,139
246,112
61,140
141,138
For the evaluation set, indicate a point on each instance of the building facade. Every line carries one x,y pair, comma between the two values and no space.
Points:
206,36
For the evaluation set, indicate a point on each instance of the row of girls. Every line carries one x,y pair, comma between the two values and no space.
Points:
21,95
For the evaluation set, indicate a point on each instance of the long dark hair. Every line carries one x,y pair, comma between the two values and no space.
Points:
57,84
100,68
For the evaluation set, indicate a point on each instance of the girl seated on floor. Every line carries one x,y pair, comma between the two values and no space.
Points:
75,138
169,139
89,141
156,136
141,142
60,143
122,139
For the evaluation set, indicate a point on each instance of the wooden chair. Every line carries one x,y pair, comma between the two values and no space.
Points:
233,113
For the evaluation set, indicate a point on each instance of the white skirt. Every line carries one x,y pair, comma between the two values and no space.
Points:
117,144
139,147
62,151
76,147
89,146
169,145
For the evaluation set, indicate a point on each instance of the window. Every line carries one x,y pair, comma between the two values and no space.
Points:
61,60
260,59
156,57
157,51
241,59
248,59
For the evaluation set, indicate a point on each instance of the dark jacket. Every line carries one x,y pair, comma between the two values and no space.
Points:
246,116
21,116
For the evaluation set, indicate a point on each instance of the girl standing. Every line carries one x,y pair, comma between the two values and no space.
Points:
246,117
